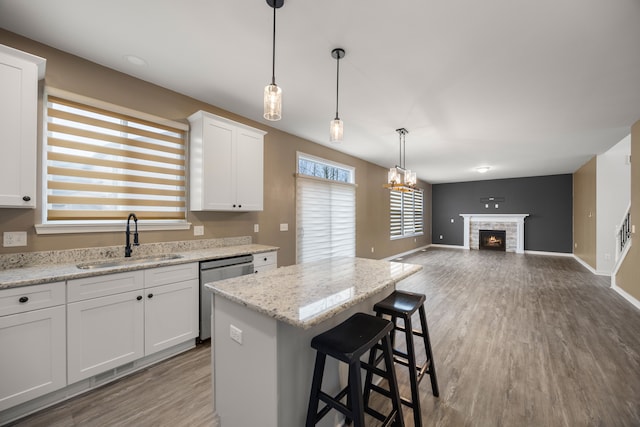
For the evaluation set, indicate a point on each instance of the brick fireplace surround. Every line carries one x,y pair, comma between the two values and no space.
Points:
513,224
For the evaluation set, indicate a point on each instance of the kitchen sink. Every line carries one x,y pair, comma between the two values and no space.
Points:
126,261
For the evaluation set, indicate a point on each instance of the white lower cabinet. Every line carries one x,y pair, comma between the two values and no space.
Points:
111,330
265,261
104,333
32,342
171,310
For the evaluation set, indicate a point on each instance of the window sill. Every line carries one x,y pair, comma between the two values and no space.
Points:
107,228
406,236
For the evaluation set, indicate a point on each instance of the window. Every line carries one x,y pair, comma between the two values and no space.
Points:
406,213
325,209
101,164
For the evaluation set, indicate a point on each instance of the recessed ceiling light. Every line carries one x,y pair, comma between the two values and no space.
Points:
483,169
135,60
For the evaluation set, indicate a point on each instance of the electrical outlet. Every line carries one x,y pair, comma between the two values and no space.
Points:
14,238
235,333
256,228
284,227
372,249
198,230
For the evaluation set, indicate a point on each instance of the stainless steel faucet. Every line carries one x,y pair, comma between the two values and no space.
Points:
127,248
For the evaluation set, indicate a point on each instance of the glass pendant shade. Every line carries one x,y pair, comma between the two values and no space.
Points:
411,178
393,177
336,130
272,102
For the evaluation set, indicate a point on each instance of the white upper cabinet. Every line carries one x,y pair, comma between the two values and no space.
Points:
19,74
226,165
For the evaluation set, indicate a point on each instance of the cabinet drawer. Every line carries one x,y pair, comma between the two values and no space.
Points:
170,274
108,284
265,258
32,297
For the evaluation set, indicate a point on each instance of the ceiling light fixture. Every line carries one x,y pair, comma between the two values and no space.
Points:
399,178
336,126
272,93
483,169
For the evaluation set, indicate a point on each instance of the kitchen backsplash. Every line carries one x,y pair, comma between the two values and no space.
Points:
69,256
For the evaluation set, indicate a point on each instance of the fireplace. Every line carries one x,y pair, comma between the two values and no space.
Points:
513,224
493,240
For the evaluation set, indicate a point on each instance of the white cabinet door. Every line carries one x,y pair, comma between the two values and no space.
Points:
218,192
18,127
265,261
171,315
226,164
32,355
104,333
249,170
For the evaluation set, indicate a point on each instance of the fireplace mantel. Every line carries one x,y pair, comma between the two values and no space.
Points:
516,218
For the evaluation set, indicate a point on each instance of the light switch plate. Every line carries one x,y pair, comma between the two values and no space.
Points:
284,227
235,333
14,238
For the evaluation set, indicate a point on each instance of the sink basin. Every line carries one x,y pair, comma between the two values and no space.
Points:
126,261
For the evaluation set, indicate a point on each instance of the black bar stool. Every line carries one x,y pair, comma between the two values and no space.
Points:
402,304
347,342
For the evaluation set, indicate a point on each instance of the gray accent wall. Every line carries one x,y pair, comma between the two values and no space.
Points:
547,199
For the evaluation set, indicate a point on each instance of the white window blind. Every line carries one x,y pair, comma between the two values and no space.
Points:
101,165
326,219
407,213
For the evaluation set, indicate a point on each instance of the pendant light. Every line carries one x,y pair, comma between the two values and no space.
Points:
336,126
272,93
399,178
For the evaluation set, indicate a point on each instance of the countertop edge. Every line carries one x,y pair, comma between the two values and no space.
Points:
321,317
50,273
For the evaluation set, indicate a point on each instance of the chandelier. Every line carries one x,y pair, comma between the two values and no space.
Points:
399,178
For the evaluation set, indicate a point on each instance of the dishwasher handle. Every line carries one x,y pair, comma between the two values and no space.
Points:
226,262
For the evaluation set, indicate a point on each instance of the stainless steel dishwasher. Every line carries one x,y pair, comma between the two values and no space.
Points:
212,271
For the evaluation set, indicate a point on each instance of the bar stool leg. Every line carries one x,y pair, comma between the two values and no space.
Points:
393,382
355,387
429,354
413,377
316,384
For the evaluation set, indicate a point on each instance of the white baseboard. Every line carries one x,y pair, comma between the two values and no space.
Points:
624,294
549,253
449,246
391,258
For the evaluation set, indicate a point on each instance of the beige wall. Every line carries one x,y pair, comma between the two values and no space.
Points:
584,213
68,72
629,272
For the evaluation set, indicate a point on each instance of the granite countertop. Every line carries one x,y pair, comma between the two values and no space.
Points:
304,295
60,265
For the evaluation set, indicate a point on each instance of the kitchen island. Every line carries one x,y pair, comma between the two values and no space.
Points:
262,361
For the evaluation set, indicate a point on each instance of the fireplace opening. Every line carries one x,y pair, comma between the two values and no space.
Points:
495,240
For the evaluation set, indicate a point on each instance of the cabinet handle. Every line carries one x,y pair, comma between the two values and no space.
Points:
256,271
265,258
234,206
239,206
139,297
26,198
150,296
23,299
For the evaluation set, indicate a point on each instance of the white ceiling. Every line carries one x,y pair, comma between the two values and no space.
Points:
526,87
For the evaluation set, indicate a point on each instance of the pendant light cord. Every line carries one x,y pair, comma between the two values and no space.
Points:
337,83
273,58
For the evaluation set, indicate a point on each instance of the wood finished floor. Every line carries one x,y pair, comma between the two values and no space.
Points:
518,340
